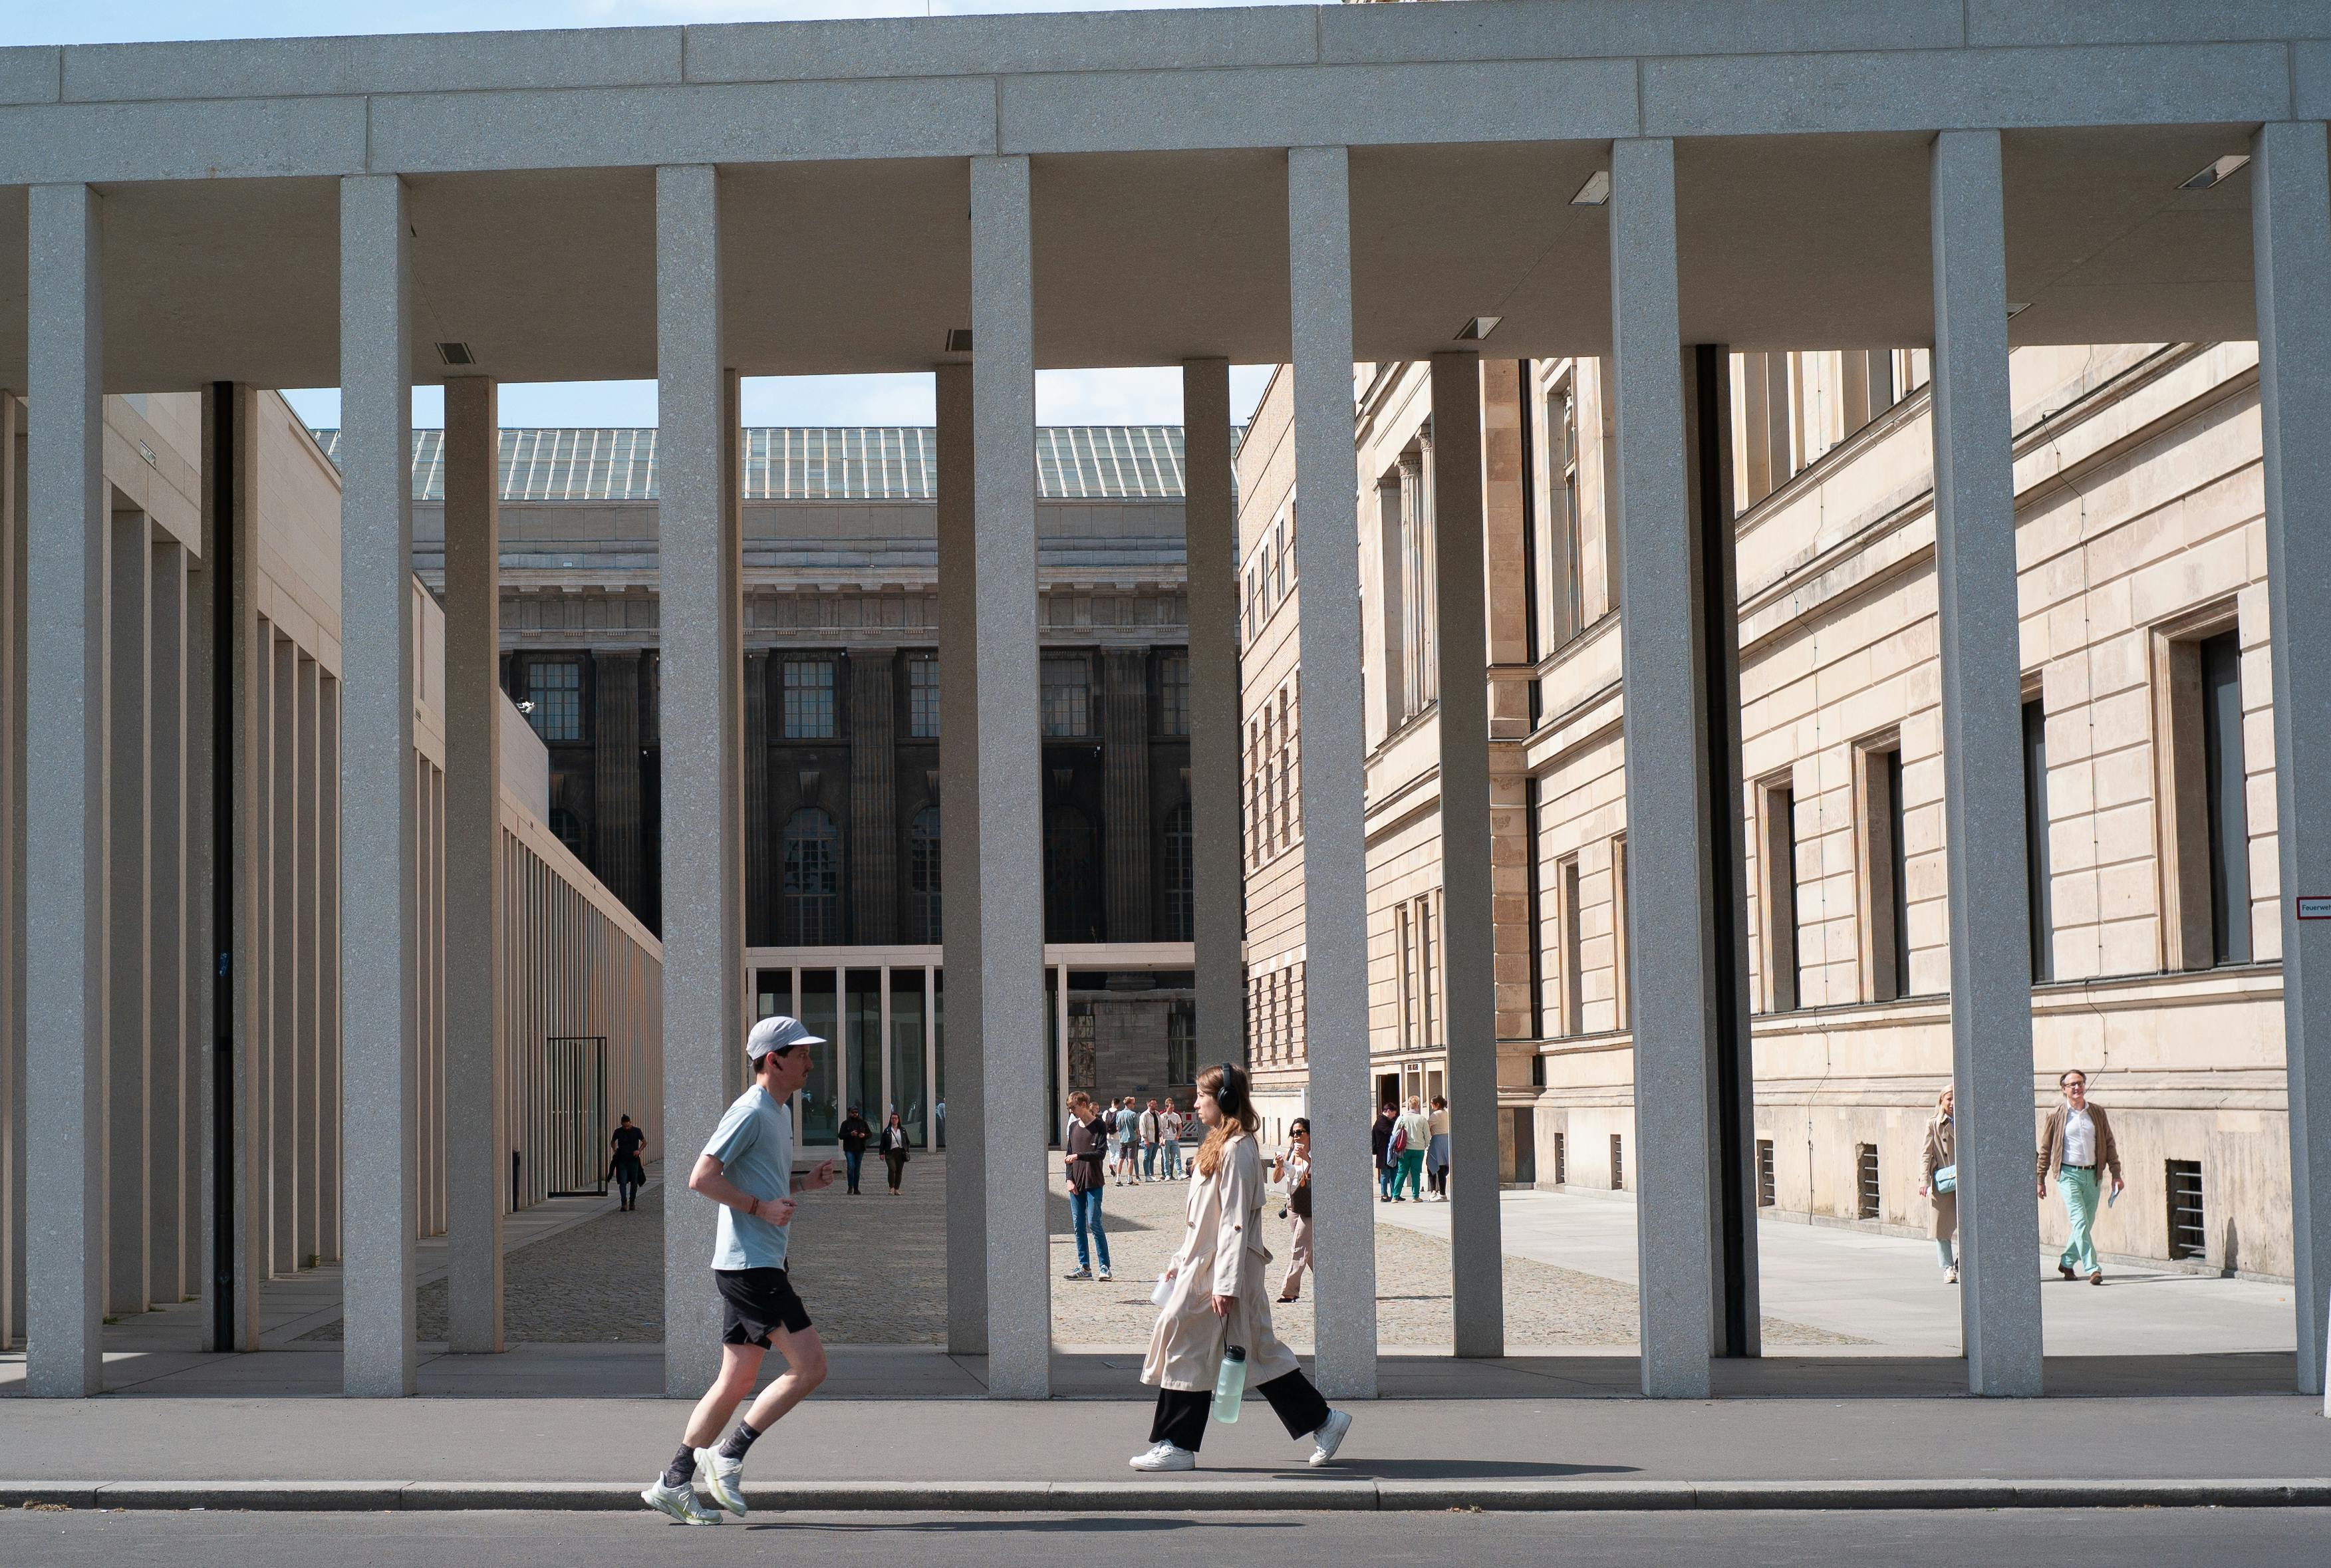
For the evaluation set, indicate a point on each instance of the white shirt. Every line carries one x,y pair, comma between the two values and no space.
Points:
2080,1138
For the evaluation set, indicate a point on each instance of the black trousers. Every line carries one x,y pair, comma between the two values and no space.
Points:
1181,1418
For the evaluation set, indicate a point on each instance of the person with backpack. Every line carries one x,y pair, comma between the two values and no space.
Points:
1129,1129
1410,1136
1082,1146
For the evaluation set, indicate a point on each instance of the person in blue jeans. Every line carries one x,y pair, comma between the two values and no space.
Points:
853,1135
1086,1144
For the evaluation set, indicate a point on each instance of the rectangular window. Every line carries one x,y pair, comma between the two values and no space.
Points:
1181,1045
1535,911
2037,882
2189,1237
2225,782
554,687
1619,988
1428,975
808,699
923,697
1766,1190
1174,694
1865,1183
1777,857
1574,970
1618,1162
1068,696
1885,913
1570,540
1282,812
1525,1135
1561,1159
1405,921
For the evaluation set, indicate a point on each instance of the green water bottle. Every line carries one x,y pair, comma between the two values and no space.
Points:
1230,1384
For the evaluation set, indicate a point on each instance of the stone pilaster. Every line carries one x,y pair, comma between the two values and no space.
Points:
872,870
616,847
760,866
1124,791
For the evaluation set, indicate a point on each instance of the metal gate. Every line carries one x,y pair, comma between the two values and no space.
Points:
575,1074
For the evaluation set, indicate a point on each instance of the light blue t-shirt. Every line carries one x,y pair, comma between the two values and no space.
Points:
754,1146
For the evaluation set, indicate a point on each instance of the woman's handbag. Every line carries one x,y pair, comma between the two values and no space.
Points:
1946,1178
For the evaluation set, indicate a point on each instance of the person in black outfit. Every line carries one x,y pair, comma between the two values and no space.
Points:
855,1136
629,1173
894,1150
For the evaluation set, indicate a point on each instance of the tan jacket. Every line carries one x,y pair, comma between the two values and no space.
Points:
2052,1142
1221,1254
1941,1150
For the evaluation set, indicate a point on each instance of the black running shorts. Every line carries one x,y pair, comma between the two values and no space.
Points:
753,1301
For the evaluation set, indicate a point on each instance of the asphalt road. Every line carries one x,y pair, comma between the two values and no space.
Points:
2159,1538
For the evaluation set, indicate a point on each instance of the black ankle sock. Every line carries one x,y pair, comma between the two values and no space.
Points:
739,1442
681,1471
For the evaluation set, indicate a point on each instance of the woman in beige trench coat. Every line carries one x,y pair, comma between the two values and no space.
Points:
1216,1295
1941,1151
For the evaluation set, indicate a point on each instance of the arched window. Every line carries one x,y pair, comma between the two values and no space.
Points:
813,879
1181,878
1071,905
923,869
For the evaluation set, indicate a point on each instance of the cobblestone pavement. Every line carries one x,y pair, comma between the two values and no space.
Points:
872,1270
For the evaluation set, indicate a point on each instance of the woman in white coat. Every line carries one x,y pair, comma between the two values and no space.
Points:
1216,1295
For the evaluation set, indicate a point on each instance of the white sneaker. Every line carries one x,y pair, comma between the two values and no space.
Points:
679,1501
1330,1435
1104,1273
1164,1457
719,1475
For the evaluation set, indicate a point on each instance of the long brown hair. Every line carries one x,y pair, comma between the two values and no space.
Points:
1227,1083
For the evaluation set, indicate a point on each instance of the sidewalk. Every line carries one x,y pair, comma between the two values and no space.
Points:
533,1453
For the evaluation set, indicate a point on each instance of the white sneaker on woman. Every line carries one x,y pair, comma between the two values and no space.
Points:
1164,1457
1330,1435
678,1502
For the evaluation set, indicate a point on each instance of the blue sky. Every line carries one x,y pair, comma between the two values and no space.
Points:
1062,397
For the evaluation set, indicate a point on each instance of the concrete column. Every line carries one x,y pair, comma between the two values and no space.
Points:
958,577
1670,944
377,959
1334,807
169,1171
233,1214
760,867
67,697
477,1167
1716,666
702,664
327,973
11,872
1127,838
870,870
1468,919
309,960
2290,216
259,957
1009,898
1983,787
617,842
127,1060
293,1081
1210,526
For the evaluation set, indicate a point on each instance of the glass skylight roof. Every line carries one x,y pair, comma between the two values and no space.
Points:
793,464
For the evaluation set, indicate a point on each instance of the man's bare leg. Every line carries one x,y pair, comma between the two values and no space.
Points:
804,1355
740,1368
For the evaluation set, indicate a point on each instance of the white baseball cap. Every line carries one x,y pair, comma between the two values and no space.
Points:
777,1033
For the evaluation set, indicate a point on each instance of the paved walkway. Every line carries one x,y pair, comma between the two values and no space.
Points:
1883,1295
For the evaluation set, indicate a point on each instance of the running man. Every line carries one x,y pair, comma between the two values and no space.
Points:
748,1169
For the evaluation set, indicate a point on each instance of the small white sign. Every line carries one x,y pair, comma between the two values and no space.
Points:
2314,909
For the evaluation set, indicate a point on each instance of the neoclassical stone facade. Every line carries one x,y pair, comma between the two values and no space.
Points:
2149,765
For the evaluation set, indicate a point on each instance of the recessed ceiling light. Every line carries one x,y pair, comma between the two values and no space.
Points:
1479,327
959,340
1594,191
2014,310
2214,172
456,354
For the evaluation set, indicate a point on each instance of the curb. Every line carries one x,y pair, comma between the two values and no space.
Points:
1266,1496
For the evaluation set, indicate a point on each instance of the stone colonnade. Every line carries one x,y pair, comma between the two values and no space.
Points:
1697,1255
